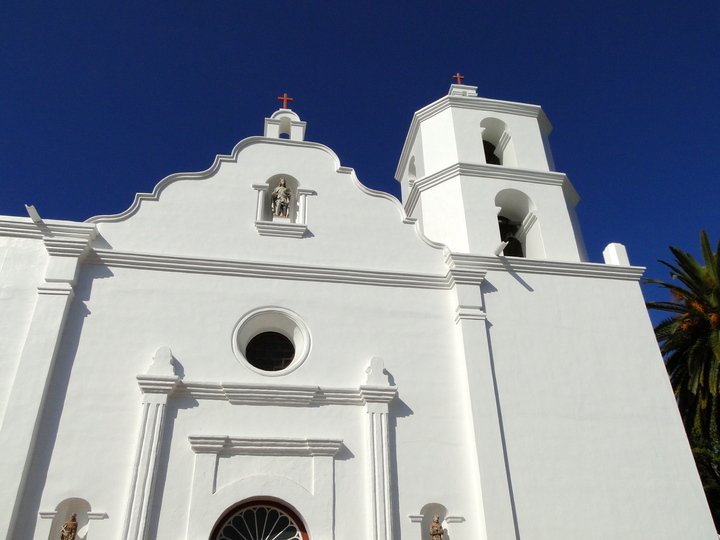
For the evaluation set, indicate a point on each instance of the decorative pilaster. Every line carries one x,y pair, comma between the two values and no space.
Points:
261,191
495,485
302,204
377,394
156,386
24,411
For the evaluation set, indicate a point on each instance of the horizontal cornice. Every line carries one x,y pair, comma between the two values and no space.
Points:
254,269
263,446
556,268
476,170
282,395
19,227
462,268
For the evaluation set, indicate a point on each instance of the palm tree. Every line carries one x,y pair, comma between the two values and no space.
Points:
690,339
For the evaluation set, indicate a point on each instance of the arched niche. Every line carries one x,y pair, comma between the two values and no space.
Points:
260,519
518,225
292,184
64,510
497,143
427,512
284,128
412,171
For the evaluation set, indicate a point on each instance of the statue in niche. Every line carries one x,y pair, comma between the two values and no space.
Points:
281,200
436,530
69,528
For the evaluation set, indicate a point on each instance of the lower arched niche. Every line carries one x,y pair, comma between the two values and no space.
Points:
427,512
64,510
260,519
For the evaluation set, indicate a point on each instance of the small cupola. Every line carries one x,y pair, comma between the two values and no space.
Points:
285,124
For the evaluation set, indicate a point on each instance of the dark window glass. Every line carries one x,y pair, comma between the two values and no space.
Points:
270,351
490,156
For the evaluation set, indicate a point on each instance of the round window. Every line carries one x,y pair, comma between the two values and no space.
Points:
270,351
271,341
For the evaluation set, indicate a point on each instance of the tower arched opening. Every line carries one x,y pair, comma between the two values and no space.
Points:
497,143
518,225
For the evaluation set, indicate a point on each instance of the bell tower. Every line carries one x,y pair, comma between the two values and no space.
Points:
479,176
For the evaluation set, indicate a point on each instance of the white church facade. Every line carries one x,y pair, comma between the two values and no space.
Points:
270,350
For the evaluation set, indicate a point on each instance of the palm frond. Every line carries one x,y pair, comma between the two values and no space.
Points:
689,340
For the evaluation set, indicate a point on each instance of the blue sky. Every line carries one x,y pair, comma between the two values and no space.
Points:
99,101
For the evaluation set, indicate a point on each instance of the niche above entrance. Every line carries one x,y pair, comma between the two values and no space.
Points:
281,207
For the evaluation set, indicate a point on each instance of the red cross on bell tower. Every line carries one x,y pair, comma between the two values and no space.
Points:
285,100
458,77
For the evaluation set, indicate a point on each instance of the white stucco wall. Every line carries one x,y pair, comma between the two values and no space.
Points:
522,398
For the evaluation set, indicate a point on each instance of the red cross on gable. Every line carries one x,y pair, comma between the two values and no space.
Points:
458,77
285,100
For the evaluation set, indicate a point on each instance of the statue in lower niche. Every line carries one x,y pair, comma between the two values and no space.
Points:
436,530
281,200
69,528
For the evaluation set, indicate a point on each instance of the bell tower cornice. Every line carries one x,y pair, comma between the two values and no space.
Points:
465,97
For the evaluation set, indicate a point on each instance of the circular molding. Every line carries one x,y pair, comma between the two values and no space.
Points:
271,319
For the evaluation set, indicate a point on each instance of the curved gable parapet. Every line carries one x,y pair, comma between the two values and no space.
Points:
208,173
235,157
398,205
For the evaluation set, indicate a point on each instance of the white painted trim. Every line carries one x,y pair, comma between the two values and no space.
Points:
258,269
473,313
327,274
285,230
90,515
556,268
267,394
22,227
263,446
142,485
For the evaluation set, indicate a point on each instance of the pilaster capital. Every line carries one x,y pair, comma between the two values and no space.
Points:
208,444
472,313
464,269
66,246
66,254
157,384
378,394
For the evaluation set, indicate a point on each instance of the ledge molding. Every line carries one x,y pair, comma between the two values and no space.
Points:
285,230
283,395
263,446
